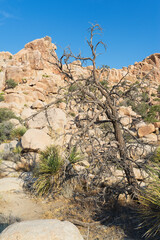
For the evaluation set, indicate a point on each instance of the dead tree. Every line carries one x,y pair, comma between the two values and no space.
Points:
91,96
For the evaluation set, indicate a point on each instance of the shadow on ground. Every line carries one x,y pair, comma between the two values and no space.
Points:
5,221
126,218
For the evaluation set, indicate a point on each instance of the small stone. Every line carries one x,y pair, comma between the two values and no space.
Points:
145,130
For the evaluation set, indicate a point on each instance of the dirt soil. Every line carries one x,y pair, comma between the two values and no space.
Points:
18,206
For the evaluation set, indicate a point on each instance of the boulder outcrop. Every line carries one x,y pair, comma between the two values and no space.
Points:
35,139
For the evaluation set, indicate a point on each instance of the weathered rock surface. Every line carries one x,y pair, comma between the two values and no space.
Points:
27,112
10,184
8,169
7,147
127,111
145,130
41,229
150,138
157,124
35,139
52,117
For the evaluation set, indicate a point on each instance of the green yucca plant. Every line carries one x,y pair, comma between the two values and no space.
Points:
75,156
150,203
47,171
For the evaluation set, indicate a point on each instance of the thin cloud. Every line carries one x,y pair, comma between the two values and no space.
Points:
5,15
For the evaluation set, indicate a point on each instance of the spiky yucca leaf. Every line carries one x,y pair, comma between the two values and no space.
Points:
47,172
75,155
150,205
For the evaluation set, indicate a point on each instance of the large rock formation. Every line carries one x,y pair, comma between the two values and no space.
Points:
149,67
37,58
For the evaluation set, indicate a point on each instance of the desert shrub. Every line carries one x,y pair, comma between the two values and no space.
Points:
150,201
157,99
6,114
141,109
47,171
153,114
145,97
74,87
17,150
158,90
10,83
1,97
150,209
72,114
5,131
75,156
104,83
156,157
45,75
18,132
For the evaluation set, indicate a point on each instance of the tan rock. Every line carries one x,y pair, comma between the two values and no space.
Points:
15,122
37,105
157,124
150,138
8,169
2,79
16,98
51,229
10,184
62,105
126,121
53,117
37,95
140,174
5,56
78,168
27,112
140,124
35,139
127,111
16,73
139,150
145,130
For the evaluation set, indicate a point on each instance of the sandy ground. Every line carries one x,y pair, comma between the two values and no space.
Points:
19,206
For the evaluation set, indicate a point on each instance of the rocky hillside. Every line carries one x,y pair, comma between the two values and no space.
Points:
38,80
38,110
34,69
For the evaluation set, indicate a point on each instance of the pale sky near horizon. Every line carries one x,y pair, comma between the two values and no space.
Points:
131,28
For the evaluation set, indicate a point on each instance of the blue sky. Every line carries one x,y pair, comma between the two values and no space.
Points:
131,28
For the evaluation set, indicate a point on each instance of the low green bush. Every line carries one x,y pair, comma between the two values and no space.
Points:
10,83
153,114
5,131
104,83
18,132
47,171
1,97
74,87
6,114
